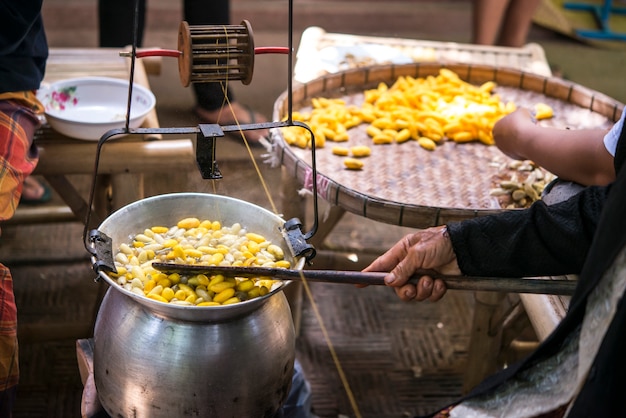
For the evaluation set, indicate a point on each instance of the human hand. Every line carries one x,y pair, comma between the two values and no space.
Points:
426,249
513,133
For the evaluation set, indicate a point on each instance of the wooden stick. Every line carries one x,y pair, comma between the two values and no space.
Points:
495,284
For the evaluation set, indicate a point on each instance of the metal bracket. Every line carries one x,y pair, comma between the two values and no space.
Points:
102,251
205,150
296,241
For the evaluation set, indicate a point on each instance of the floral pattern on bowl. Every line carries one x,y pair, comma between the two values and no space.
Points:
58,99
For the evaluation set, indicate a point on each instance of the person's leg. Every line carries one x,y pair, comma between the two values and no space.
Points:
209,96
117,19
215,102
18,158
487,20
9,359
517,22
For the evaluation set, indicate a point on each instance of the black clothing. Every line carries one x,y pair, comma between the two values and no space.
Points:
23,45
542,240
559,239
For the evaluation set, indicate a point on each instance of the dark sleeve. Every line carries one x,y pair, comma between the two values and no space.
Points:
16,20
540,241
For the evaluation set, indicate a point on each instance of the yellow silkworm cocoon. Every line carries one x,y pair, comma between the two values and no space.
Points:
220,287
372,131
157,298
341,151
178,251
427,143
164,282
486,137
174,278
255,237
231,301
148,286
367,115
192,252
382,139
276,251
403,136
543,111
188,223
211,303
186,288
284,264
156,290
463,136
159,229
401,124
170,243
341,136
249,261
359,151
245,285
253,247
224,295
383,123
216,259
167,294
433,136
353,164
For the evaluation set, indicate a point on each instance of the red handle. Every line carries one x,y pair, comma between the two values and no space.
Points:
152,53
271,50
158,53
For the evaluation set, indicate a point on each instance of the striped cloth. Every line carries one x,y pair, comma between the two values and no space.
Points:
18,158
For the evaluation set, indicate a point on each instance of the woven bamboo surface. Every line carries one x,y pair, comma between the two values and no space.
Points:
405,185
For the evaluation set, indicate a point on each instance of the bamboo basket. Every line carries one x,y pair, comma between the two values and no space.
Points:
405,185
321,53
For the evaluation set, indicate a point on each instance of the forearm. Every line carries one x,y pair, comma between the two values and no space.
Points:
543,240
575,155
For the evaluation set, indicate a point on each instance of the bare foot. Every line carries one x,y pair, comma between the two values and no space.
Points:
238,115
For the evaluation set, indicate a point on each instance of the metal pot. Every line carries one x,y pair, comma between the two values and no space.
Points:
159,360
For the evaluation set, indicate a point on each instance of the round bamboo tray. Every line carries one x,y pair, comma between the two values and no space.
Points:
405,185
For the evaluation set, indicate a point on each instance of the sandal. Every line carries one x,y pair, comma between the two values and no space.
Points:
35,192
225,117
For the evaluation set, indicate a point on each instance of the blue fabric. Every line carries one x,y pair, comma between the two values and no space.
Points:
298,403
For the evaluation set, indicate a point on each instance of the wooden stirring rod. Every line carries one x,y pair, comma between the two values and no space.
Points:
496,284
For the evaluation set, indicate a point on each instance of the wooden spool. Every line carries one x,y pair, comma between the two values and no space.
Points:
215,53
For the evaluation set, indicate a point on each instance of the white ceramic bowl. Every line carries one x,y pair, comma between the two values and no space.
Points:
88,107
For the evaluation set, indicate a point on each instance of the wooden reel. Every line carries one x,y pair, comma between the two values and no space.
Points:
213,53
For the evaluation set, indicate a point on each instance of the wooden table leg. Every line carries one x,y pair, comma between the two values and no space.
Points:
293,206
126,188
485,340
